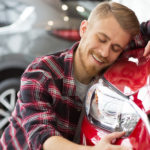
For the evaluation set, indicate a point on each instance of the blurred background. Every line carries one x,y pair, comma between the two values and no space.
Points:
140,7
31,28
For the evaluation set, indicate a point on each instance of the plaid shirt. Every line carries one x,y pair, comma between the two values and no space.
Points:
141,39
47,104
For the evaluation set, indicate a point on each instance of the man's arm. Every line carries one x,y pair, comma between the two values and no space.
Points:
57,143
147,49
142,40
36,105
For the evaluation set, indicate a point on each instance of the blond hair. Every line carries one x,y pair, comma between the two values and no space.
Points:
124,16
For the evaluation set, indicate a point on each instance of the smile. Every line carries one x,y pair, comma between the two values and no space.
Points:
97,59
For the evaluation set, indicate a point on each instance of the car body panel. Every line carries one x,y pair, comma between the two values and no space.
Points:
131,79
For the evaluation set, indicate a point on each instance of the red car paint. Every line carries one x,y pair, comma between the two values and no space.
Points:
136,77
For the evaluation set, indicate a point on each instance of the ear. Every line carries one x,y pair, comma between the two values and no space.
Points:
83,27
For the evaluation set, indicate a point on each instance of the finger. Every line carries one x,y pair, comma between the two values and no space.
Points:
118,147
113,136
147,49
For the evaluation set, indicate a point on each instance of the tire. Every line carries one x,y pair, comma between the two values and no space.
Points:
8,97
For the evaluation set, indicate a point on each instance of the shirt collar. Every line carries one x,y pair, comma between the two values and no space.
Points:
69,87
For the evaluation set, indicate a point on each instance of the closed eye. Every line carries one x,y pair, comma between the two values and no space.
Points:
117,48
102,40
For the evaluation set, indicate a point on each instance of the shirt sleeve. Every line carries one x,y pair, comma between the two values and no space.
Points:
36,104
140,40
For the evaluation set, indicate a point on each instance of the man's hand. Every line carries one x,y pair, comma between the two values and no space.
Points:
147,49
58,142
106,142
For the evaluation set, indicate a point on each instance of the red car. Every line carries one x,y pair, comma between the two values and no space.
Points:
120,101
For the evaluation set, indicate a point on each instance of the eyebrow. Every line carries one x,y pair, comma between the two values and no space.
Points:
100,33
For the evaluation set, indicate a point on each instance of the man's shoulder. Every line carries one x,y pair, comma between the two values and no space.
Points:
52,64
67,53
61,56
58,65
57,59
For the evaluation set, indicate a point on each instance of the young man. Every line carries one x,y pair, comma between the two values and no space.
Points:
53,86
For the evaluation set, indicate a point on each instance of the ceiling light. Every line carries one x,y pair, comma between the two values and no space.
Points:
64,7
66,18
50,23
80,9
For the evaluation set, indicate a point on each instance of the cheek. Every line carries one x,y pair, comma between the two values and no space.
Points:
113,57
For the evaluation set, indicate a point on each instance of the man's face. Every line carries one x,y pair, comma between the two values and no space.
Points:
101,44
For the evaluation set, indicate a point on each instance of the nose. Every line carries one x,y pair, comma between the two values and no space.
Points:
105,50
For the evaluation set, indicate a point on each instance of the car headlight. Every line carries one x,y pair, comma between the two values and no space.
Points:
109,110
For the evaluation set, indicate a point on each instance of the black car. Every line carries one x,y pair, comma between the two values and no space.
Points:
31,28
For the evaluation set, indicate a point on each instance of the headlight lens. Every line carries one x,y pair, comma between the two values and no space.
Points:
109,110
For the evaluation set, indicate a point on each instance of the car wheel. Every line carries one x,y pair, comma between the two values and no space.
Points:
8,97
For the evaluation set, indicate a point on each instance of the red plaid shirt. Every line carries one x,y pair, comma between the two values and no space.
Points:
47,104
141,39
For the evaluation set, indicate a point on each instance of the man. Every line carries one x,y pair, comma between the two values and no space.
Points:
53,86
